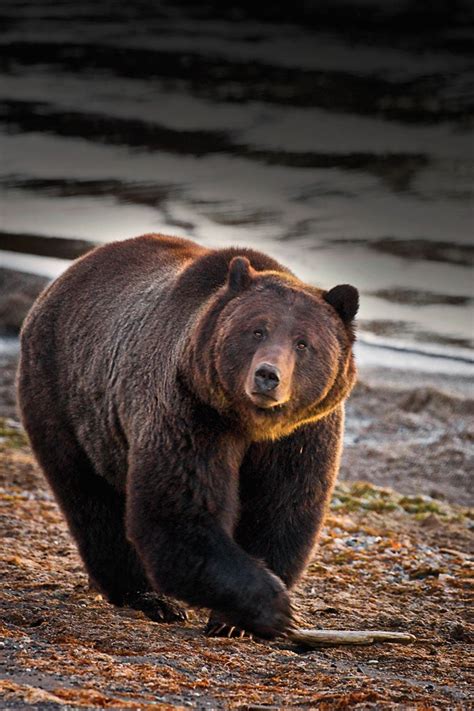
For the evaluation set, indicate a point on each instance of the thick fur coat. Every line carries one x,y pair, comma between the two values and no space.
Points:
186,406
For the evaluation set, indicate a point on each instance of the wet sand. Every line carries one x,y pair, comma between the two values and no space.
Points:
414,434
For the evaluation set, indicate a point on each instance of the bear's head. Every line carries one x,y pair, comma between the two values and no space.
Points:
273,352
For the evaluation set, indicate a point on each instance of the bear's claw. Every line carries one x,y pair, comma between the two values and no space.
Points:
216,628
157,607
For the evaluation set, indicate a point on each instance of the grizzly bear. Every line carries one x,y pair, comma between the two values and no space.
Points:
186,406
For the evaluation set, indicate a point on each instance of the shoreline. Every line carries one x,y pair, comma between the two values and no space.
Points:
29,257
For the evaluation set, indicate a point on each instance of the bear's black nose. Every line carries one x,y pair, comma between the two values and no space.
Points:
267,377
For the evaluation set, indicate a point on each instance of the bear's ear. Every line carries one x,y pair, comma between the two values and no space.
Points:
345,299
240,274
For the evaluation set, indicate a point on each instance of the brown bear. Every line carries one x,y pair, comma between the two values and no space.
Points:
186,406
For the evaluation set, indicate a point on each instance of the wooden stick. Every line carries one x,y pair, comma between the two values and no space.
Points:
317,638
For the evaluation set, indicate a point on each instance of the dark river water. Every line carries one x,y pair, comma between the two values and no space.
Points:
344,149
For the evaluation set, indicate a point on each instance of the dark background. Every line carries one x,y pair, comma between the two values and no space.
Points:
336,136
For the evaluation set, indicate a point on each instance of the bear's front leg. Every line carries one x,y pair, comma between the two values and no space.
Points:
285,487
182,504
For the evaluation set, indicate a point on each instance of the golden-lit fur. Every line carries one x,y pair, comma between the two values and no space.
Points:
135,386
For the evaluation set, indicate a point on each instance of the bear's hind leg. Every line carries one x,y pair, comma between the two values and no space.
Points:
94,511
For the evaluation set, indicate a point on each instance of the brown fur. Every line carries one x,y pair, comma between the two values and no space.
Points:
137,387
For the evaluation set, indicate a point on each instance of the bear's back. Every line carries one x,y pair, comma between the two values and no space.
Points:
104,338
89,336
208,272
107,281
151,263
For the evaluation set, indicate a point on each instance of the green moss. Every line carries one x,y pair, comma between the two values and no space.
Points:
381,505
11,435
364,496
420,505
364,489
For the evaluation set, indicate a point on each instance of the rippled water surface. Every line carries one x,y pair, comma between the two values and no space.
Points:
345,154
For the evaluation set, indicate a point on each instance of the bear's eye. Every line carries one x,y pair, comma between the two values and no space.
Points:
258,334
301,345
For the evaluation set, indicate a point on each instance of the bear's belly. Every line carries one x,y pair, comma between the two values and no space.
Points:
104,443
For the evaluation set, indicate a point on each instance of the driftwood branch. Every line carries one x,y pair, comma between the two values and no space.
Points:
316,638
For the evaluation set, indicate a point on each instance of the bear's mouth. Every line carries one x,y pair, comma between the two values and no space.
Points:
270,410
262,400
265,404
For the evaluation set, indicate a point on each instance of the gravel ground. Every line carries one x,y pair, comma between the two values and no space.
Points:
385,561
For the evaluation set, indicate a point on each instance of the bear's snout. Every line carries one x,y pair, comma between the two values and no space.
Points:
266,378
268,382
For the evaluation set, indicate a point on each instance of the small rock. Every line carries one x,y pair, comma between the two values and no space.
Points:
456,632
